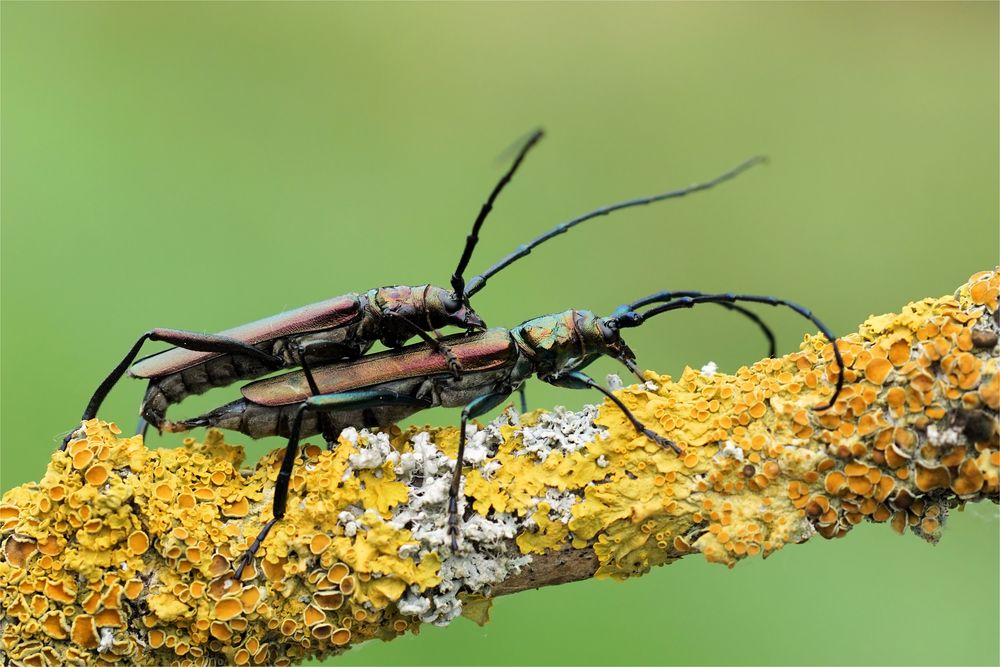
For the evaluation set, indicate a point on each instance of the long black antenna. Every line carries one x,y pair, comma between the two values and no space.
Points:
457,281
478,282
664,297
633,318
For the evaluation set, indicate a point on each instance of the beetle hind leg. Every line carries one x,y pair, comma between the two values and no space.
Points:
142,427
280,491
189,340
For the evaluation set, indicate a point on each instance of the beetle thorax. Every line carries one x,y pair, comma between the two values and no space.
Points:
402,300
556,342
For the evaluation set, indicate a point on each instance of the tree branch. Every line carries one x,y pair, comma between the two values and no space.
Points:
124,554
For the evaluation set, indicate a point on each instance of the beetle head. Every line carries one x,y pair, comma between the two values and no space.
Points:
613,342
444,308
609,329
601,338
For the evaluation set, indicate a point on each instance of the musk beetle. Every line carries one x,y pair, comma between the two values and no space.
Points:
380,389
340,328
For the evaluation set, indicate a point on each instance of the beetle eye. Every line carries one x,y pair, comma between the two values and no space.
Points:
451,303
609,333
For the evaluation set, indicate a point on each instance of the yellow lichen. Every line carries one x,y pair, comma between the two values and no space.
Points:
761,468
549,534
193,537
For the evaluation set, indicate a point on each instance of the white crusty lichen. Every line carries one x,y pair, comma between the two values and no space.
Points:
485,555
561,430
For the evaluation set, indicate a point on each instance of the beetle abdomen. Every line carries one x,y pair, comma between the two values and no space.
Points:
261,421
171,389
225,370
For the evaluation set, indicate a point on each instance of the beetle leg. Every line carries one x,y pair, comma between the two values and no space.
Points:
634,369
578,380
323,402
324,351
327,430
476,408
453,364
280,490
523,397
142,427
189,340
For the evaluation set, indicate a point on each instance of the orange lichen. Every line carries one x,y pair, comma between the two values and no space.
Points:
84,631
138,542
989,392
337,572
97,474
238,509
228,609
313,615
931,478
877,370
834,482
760,468
319,543
17,550
330,600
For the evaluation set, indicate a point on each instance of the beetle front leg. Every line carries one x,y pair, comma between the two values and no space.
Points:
189,340
578,380
453,363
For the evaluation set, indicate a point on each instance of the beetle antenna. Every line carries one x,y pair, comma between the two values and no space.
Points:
626,318
663,297
457,279
478,282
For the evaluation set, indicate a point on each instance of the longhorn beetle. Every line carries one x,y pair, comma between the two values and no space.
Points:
343,327
383,388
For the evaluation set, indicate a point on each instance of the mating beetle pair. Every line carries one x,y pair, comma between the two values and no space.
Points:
384,388
475,371
340,328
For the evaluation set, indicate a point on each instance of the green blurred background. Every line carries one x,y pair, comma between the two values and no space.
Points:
201,165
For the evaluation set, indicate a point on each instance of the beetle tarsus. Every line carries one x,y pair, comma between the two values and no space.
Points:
75,434
251,551
661,441
453,363
453,522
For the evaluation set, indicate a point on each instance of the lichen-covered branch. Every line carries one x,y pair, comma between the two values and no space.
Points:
121,554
